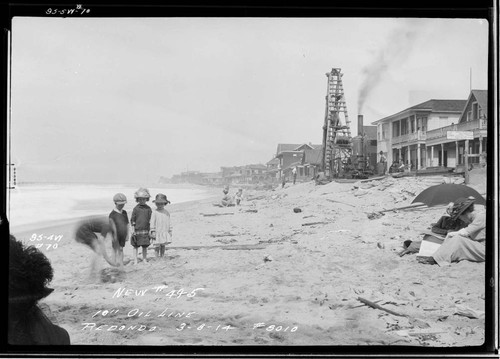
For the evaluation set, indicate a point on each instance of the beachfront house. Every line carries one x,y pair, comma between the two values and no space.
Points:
302,156
402,137
448,152
273,169
254,173
214,179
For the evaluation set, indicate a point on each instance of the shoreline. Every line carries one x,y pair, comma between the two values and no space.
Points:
52,224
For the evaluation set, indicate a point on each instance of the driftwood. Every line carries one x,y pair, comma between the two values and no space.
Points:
224,235
376,306
378,214
251,211
255,198
227,247
215,214
314,223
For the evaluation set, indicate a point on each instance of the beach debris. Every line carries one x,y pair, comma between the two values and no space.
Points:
314,223
380,245
216,214
416,333
375,215
468,312
226,240
415,322
268,258
376,306
251,211
360,192
297,210
228,247
225,234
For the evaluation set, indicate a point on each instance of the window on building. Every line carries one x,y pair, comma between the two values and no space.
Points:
373,142
475,111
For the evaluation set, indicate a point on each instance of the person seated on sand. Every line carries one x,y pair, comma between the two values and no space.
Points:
227,200
238,197
467,243
444,225
86,233
29,273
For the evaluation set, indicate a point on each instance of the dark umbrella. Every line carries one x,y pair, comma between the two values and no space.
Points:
446,193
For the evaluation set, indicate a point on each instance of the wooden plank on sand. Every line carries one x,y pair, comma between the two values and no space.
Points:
376,306
227,247
216,214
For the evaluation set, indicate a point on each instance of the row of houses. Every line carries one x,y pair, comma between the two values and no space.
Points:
437,133
425,136
248,174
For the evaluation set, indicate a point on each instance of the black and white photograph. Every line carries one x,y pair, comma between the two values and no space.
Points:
261,181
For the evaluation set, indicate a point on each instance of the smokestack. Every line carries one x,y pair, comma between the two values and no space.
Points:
360,125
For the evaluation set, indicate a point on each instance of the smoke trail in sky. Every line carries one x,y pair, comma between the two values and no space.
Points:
397,49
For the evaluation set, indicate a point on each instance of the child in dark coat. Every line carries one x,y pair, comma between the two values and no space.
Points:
141,216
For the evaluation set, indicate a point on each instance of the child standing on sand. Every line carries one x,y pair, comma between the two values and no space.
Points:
161,230
120,219
141,216
238,196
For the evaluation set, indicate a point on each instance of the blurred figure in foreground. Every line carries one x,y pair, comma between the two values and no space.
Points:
86,233
29,273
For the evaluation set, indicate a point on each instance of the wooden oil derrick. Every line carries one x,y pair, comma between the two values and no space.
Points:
337,141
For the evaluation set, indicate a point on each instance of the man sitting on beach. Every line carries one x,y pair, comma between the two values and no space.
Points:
227,200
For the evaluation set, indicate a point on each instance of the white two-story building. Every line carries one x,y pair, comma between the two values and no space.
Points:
418,135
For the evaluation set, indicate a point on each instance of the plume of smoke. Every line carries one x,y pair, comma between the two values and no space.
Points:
397,49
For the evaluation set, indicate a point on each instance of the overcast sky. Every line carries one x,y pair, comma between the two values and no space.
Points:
133,99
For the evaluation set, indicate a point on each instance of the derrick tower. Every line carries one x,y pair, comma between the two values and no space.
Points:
337,141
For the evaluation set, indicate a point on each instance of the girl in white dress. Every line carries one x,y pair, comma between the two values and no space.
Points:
160,228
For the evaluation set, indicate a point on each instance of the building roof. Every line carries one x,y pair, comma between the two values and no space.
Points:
433,105
282,147
482,99
274,161
481,96
257,166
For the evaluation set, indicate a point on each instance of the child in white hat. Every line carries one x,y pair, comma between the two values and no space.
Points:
161,230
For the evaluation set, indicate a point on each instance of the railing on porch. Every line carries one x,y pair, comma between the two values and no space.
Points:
464,126
409,137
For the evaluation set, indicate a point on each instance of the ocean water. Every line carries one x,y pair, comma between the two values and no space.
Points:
33,204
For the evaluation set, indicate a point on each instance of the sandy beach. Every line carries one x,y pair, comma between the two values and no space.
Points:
261,274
